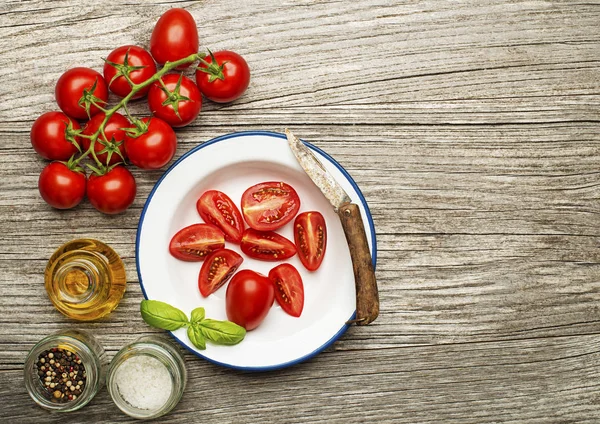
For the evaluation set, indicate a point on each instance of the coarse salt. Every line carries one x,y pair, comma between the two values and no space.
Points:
144,382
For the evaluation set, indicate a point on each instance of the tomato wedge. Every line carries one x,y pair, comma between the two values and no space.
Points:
217,269
266,245
270,205
216,208
195,242
310,235
289,290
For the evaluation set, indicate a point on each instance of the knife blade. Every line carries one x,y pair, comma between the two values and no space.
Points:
367,295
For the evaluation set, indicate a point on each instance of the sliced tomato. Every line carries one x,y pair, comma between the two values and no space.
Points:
310,235
289,290
217,269
266,245
217,208
195,242
270,205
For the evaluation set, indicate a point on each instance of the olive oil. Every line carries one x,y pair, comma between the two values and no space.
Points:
85,279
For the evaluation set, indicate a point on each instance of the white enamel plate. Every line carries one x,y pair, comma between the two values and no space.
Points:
231,164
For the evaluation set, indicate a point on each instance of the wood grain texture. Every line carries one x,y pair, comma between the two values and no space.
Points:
472,129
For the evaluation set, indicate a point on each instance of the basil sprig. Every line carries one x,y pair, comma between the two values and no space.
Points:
199,329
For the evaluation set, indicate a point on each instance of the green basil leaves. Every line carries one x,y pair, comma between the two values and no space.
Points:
199,329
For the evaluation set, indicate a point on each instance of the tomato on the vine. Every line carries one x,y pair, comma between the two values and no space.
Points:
51,138
128,61
310,235
217,269
270,205
266,245
174,37
112,192
61,187
216,208
249,298
223,76
114,141
177,102
76,91
289,289
195,242
154,147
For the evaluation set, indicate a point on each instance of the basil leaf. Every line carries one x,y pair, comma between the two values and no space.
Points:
162,315
222,332
196,337
197,315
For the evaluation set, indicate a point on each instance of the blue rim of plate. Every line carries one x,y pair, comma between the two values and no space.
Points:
268,134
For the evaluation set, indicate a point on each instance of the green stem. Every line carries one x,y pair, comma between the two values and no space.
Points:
135,88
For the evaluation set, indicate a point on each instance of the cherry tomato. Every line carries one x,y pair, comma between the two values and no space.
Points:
266,245
249,298
289,290
224,77
70,89
195,242
112,192
61,187
217,269
49,136
270,205
155,147
115,136
128,60
174,37
310,235
217,208
181,106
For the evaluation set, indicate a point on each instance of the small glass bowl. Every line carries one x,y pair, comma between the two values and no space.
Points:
92,356
162,350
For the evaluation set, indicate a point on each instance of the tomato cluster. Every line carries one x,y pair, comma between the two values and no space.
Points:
87,127
265,208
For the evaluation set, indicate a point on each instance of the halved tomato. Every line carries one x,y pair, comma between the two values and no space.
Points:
217,269
266,245
195,242
310,235
289,290
270,205
216,208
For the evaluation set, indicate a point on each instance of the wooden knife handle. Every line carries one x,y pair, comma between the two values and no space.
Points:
367,295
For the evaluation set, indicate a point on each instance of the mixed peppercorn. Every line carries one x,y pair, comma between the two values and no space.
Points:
62,373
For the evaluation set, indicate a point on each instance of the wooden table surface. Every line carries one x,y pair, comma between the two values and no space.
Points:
472,128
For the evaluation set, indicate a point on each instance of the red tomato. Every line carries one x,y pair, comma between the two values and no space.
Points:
195,242
224,77
70,89
133,61
61,187
217,269
114,133
248,299
50,138
112,192
289,290
266,245
181,106
174,37
155,147
270,205
310,235
217,208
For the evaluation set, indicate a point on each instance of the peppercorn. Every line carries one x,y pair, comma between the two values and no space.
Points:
66,380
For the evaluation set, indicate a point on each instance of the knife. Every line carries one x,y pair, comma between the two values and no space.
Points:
367,296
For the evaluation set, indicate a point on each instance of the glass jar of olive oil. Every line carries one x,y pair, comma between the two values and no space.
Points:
85,279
